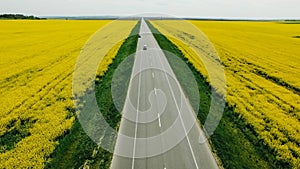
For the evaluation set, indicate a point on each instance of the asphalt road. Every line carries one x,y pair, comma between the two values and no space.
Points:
158,129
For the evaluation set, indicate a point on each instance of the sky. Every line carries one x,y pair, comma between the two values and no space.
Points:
257,9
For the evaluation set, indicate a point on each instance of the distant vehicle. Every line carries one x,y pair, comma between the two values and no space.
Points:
145,47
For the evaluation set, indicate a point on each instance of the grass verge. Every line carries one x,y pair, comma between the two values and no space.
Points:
233,141
76,149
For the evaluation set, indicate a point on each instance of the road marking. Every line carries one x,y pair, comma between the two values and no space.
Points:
177,107
152,75
159,123
137,115
155,91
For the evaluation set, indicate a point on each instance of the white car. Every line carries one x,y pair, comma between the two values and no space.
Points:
145,47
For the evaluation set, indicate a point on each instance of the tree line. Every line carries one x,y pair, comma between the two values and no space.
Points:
18,16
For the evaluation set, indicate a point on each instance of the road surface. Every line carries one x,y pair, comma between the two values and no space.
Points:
158,129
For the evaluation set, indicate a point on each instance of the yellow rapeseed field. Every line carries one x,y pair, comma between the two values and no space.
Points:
261,61
37,59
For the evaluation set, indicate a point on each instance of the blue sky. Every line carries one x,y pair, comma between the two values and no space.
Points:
181,8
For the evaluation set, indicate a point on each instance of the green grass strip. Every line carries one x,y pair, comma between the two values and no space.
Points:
76,148
233,141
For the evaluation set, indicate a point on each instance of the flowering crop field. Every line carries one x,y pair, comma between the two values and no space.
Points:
36,67
261,62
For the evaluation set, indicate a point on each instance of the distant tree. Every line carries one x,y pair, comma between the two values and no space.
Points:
18,16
